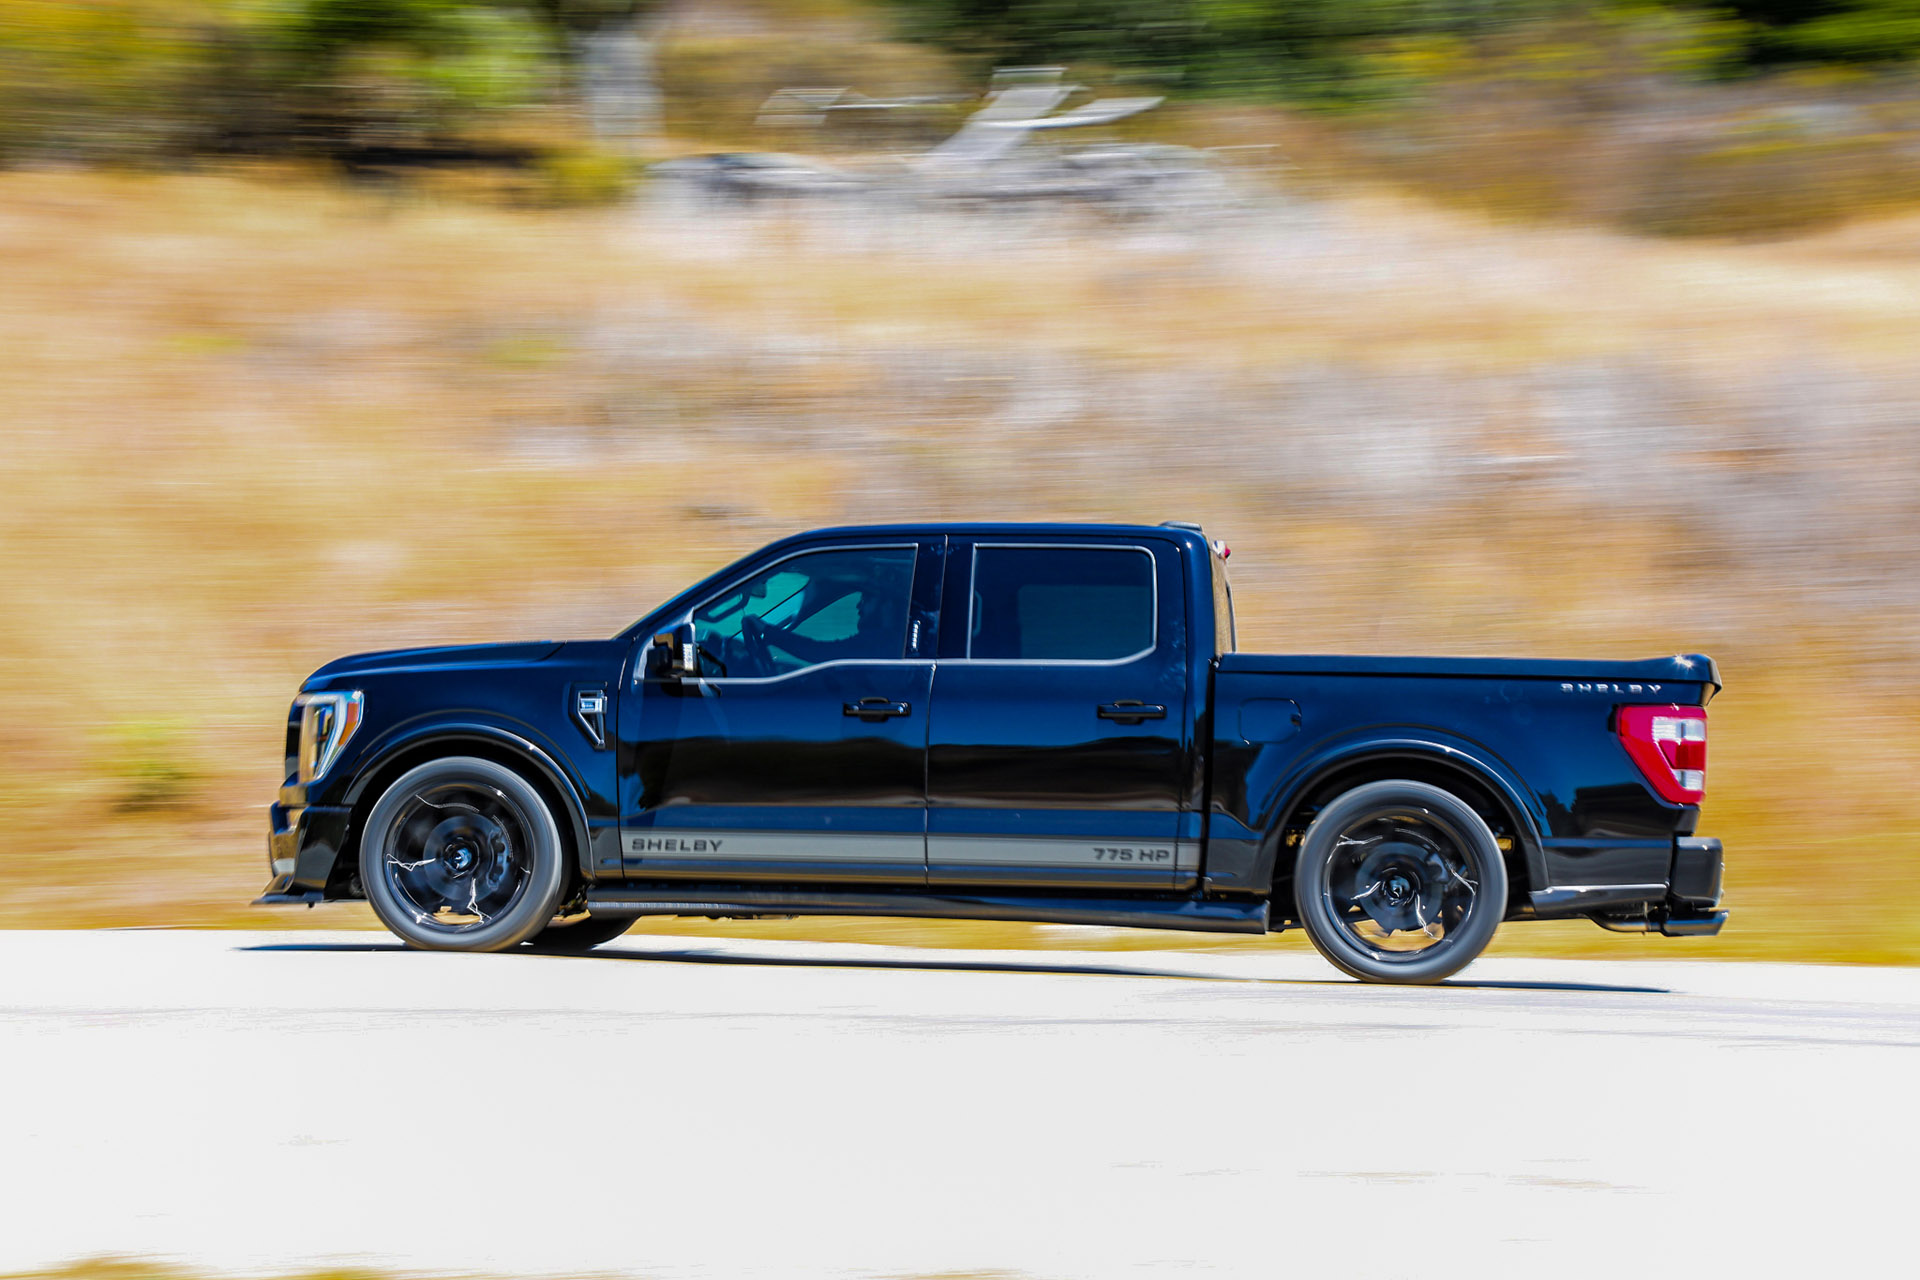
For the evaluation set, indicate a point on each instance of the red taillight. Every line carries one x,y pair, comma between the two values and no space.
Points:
1669,744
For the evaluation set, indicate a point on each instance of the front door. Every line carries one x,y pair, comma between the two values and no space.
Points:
1059,750
799,751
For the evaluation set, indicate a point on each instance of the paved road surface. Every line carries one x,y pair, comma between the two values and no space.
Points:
674,1107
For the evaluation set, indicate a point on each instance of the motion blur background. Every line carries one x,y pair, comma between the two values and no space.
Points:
1475,326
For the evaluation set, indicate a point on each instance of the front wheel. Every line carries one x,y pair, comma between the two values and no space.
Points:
1399,882
462,854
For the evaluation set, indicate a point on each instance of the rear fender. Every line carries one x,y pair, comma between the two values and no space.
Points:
1436,758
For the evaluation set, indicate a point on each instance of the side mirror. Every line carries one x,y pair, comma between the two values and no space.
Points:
674,655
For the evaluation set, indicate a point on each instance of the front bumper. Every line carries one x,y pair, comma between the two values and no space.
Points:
304,843
307,898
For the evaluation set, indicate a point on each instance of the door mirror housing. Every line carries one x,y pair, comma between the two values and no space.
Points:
674,655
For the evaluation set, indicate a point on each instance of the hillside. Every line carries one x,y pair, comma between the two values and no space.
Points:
252,423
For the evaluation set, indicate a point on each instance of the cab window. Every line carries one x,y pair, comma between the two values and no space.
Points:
819,606
1061,604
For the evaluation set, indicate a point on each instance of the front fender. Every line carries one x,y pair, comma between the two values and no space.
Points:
404,746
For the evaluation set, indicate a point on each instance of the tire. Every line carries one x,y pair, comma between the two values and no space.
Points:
462,854
1387,863
581,934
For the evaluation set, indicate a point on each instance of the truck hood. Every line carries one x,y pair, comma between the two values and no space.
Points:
440,657
1685,668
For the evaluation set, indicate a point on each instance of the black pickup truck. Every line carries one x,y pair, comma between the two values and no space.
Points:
1039,722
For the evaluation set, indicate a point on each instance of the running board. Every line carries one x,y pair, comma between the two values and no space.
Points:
1210,917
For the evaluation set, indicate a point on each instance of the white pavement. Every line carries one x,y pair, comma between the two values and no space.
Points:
677,1107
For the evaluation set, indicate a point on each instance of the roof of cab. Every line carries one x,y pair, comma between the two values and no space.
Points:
977,528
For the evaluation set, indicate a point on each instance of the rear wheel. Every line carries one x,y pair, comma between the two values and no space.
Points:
581,933
1399,882
462,854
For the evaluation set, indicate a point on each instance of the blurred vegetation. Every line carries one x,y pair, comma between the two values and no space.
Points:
714,82
1324,50
1304,50
584,177
153,764
1623,121
254,425
1661,118
1800,31
157,81
1658,117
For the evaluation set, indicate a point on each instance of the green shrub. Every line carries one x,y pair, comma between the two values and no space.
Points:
152,766
152,80
100,81
1624,119
1766,178
584,178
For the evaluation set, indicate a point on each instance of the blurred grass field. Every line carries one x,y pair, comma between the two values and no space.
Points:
250,421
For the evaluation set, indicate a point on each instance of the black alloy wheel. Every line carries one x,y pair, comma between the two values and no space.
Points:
462,854
1399,882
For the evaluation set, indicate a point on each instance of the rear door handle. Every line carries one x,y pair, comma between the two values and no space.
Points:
1128,711
876,709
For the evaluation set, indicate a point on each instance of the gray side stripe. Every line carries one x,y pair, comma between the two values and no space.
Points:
906,847
1072,851
775,846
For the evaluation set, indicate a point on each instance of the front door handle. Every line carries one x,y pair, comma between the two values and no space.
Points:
1128,711
874,710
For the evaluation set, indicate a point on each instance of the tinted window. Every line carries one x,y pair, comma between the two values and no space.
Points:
1061,603
818,607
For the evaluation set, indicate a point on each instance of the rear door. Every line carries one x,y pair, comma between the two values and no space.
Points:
1058,753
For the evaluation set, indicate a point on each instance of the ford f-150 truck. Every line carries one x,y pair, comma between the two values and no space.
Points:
1038,722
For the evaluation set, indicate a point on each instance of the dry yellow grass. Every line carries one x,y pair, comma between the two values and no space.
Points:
248,423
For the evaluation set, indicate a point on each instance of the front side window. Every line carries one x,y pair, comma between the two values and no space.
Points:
820,606
1061,604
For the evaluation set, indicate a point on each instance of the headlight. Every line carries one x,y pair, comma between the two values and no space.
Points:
327,720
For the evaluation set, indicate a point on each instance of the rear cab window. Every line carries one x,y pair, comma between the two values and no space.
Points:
1062,603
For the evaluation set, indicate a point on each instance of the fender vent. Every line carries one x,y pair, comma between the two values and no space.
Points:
590,713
